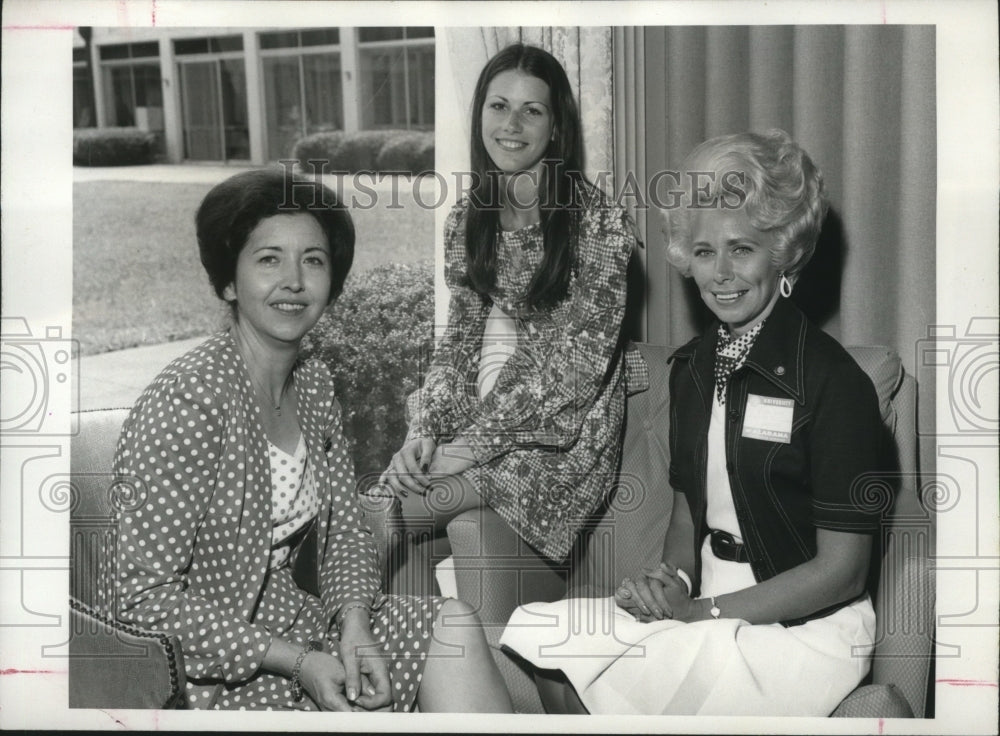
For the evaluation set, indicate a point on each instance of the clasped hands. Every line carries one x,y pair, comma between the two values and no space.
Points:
421,460
357,680
655,594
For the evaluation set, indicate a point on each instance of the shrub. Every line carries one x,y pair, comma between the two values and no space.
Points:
375,340
322,146
412,152
367,150
112,147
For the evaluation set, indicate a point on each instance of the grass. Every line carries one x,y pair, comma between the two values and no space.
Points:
137,279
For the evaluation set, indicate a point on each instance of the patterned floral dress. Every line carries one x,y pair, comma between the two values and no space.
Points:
202,552
547,437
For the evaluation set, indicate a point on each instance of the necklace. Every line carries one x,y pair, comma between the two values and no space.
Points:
264,395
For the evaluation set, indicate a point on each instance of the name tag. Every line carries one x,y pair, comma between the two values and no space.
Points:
768,418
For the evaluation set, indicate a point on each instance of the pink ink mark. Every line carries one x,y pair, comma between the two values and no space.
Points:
968,683
881,725
12,671
153,18
52,27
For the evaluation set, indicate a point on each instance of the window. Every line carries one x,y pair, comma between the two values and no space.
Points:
303,93
397,77
133,92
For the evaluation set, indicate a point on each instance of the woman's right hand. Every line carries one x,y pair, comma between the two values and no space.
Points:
323,677
644,595
408,468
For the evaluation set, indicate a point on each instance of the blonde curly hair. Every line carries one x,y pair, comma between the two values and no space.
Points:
769,174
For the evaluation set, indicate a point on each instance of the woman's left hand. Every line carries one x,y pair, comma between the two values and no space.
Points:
452,458
367,675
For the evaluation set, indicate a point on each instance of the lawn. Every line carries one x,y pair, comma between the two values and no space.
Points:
137,279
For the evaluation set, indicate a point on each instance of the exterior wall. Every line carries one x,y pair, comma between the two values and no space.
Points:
127,90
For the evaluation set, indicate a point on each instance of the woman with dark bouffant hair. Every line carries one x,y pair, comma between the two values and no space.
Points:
759,605
239,450
521,407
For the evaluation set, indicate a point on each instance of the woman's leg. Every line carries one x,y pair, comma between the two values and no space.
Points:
425,519
557,694
460,675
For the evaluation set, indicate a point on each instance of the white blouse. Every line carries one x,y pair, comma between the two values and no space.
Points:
294,500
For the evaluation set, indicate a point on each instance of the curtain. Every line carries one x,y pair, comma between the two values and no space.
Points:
861,100
585,54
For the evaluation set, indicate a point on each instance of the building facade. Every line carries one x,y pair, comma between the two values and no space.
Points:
247,94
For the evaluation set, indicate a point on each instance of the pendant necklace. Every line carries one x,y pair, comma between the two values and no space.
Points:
266,396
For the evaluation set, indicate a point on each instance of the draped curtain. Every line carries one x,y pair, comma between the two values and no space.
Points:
861,101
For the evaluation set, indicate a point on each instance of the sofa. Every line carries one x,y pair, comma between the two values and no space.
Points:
495,571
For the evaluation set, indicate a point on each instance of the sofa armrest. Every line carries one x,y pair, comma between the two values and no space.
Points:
115,665
874,701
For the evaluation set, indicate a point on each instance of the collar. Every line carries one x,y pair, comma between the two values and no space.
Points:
777,355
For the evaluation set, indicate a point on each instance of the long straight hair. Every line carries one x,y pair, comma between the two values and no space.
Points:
563,183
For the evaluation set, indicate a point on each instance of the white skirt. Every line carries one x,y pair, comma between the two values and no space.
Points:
717,667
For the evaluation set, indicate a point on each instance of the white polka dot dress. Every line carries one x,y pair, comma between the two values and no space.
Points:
199,549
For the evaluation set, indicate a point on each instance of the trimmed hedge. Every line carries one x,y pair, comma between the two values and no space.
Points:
112,147
376,340
411,152
403,151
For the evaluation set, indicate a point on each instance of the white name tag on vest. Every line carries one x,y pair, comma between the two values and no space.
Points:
768,418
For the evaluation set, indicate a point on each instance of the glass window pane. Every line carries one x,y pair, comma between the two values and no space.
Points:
320,36
282,105
234,109
227,43
324,93
383,91
279,39
191,46
83,99
149,48
121,105
421,83
380,33
114,51
420,31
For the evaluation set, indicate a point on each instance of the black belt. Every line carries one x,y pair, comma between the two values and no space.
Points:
725,547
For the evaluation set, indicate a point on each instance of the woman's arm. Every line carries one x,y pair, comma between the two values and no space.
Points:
836,574
349,572
431,409
172,445
544,403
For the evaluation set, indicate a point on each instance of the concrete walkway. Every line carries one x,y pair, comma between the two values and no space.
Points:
116,379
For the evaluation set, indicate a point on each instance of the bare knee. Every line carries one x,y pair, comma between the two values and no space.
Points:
457,625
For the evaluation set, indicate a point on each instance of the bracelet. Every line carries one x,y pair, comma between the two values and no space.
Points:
343,611
313,646
715,611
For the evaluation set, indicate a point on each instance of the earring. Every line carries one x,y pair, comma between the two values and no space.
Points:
785,286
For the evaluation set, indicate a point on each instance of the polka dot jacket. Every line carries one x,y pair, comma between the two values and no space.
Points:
193,549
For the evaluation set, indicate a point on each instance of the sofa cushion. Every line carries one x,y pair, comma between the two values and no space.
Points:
885,369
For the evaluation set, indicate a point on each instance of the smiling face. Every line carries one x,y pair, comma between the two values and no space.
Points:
731,264
282,280
517,121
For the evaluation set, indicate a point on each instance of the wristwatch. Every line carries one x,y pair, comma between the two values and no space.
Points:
715,610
